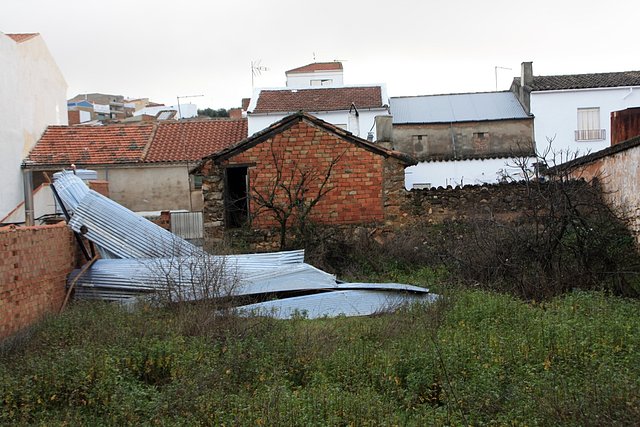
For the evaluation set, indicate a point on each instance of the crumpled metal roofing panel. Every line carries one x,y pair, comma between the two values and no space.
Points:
456,107
335,303
148,258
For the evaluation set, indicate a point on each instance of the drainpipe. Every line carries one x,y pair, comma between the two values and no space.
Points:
27,180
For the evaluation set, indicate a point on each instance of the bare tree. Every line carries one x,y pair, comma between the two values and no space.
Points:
293,192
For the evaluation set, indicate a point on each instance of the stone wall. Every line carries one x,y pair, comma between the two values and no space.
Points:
499,201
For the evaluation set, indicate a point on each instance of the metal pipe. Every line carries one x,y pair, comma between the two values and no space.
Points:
27,180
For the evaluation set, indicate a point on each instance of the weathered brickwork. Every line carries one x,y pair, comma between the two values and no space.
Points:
34,266
356,180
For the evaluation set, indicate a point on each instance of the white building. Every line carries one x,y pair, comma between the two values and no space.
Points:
33,92
318,89
575,110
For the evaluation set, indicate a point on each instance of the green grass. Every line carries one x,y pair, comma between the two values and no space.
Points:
474,358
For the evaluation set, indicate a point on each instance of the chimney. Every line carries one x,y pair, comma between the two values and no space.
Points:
526,76
523,91
384,130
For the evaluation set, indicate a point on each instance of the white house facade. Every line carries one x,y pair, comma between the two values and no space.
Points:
574,111
36,89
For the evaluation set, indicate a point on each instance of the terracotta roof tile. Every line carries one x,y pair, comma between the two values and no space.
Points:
19,38
317,66
91,145
176,141
193,140
321,99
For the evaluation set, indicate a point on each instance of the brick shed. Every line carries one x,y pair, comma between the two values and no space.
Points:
364,182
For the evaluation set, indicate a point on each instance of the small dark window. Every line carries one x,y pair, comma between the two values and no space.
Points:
197,182
481,135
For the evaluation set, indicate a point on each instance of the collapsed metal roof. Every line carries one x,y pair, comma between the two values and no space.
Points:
141,258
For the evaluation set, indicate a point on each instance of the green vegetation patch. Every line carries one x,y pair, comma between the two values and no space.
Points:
473,358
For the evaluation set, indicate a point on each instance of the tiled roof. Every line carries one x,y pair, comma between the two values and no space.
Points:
91,145
317,66
193,140
320,99
177,141
585,81
23,37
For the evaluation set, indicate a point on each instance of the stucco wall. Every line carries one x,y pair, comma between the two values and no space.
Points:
460,140
33,94
462,172
556,116
148,188
619,176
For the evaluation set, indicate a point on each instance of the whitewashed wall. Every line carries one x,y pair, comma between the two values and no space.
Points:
31,80
556,116
303,80
461,172
366,120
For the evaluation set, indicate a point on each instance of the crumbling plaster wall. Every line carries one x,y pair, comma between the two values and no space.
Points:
619,178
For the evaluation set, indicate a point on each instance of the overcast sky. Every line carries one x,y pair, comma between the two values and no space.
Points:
161,49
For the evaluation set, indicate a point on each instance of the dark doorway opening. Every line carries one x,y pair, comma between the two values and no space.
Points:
236,200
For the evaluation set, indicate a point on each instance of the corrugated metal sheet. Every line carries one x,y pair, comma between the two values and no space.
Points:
336,303
456,107
237,275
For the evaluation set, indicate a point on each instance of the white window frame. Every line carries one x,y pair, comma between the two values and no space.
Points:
588,125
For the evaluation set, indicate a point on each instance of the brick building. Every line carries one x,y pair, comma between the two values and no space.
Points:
363,181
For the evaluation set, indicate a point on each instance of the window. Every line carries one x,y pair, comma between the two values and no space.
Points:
197,182
420,139
481,135
321,82
589,125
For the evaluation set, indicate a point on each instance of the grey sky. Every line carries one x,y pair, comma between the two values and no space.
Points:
160,49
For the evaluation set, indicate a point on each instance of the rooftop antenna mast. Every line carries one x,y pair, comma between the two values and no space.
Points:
496,73
182,97
256,70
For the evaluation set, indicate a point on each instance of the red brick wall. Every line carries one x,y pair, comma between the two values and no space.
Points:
34,266
356,180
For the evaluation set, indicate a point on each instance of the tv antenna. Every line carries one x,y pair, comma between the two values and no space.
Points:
496,73
182,97
257,69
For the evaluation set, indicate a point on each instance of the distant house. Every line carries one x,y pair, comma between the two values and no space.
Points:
318,89
318,74
33,94
97,106
364,182
574,110
146,165
459,138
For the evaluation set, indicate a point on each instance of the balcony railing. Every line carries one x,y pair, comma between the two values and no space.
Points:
591,135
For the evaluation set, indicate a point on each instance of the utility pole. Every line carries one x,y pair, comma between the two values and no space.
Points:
186,96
